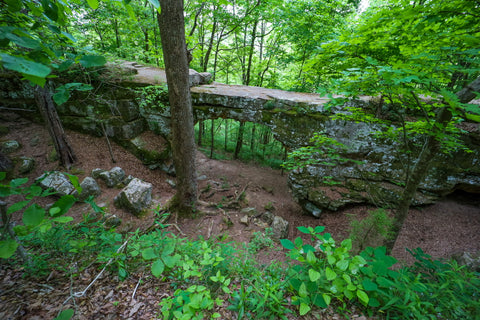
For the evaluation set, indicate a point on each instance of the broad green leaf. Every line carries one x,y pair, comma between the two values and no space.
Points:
3,175
14,5
302,292
149,254
362,295
287,244
26,67
311,258
313,275
343,265
157,268
319,229
64,203
304,309
15,183
303,229
171,261
33,215
92,61
93,4
17,206
8,248
65,315
330,274
327,298
63,219
369,285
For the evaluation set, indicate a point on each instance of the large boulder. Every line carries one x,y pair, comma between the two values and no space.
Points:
379,176
136,197
89,188
111,178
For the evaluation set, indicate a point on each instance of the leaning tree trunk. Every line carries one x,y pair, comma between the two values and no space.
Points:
50,116
430,149
172,33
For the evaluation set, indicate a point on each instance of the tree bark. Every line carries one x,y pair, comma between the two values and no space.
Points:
52,120
172,33
431,147
238,147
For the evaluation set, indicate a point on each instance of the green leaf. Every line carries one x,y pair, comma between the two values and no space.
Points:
343,265
171,261
93,4
287,244
64,203
65,315
17,206
15,183
319,229
304,309
313,275
63,219
311,258
92,61
32,70
369,285
157,268
302,292
33,215
362,295
3,175
303,230
330,274
8,248
149,254
327,298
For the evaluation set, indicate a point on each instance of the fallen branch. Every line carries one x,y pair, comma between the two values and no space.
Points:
82,293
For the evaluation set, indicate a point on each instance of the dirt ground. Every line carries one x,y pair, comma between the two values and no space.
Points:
450,226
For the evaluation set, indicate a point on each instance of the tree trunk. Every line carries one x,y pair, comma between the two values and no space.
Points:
238,147
201,129
50,116
226,134
430,149
212,138
172,33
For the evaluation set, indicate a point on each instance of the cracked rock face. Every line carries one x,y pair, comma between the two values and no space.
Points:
379,178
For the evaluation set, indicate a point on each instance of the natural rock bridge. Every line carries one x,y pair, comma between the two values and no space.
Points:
123,108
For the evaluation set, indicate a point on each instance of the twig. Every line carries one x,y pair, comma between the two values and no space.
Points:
82,293
136,287
108,143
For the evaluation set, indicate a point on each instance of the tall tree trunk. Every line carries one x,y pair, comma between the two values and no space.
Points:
212,138
52,120
250,53
431,148
210,45
238,147
201,129
117,34
172,33
226,134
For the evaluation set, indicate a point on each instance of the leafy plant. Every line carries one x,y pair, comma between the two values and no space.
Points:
325,272
371,231
261,240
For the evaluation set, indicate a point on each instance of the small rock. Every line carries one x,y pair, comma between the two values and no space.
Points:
112,221
249,211
89,188
171,183
10,146
96,173
279,228
26,165
56,181
244,220
35,141
136,197
468,259
128,179
6,165
112,177
267,217
315,211
202,177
